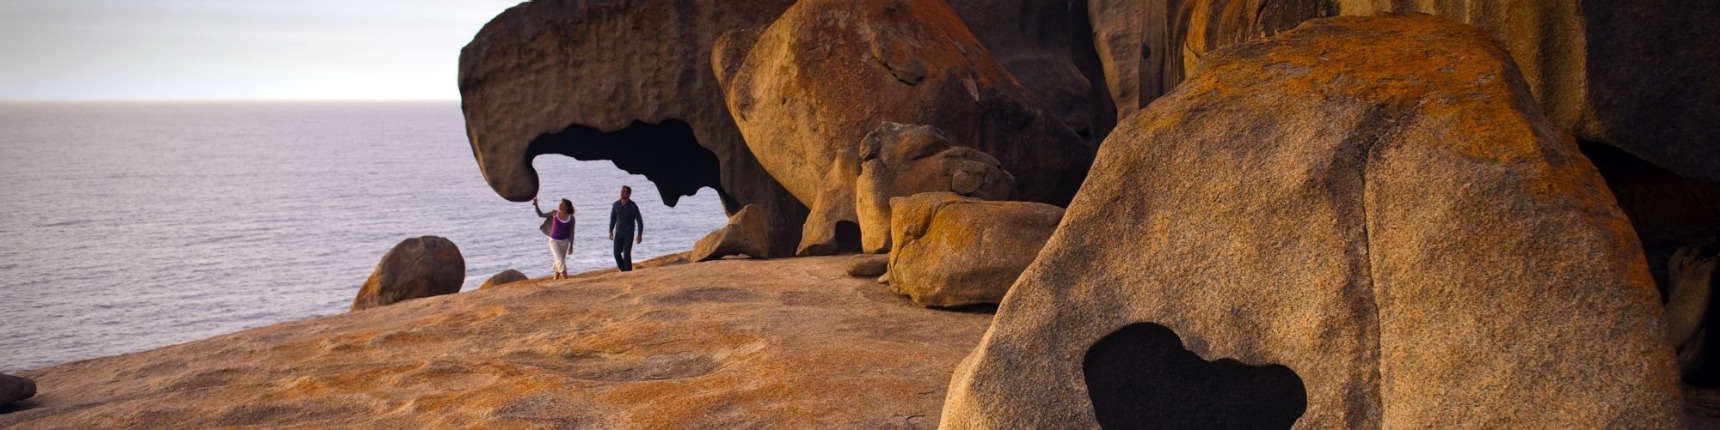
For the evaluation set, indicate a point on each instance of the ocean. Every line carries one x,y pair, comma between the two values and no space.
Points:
131,226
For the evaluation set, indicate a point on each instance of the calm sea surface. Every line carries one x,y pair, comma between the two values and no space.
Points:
131,226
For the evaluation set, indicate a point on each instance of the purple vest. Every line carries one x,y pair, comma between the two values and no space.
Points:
558,229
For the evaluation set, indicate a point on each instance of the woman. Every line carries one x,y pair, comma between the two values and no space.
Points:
558,224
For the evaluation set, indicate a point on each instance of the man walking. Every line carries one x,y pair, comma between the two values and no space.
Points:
625,214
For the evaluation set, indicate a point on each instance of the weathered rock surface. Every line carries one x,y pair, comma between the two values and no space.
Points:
617,80
868,265
1046,45
505,277
956,251
1688,295
15,389
415,268
1633,75
900,160
786,343
1374,204
747,233
808,88
1147,46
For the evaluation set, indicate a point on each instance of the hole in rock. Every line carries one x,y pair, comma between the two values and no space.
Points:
1141,377
847,237
667,153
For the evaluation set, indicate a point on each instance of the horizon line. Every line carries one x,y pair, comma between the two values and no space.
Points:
115,101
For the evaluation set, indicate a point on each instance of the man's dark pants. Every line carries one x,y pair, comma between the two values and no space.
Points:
624,252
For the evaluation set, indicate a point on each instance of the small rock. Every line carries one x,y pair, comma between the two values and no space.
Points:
868,265
416,268
506,277
747,233
15,388
957,251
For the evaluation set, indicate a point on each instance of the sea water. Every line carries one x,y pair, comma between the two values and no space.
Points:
130,226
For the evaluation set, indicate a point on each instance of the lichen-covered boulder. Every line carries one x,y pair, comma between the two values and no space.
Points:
747,233
505,277
1634,75
807,89
617,80
415,268
900,160
1369,218
956,251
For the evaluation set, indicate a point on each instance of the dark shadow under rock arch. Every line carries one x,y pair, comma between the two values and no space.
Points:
1141,377
667,153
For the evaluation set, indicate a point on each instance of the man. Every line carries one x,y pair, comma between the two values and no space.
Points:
625,214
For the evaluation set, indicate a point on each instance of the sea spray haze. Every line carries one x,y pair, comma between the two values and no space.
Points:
137,225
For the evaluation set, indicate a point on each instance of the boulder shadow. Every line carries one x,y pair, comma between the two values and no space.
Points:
1141,377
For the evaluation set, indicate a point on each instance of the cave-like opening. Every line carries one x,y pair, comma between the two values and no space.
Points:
666,153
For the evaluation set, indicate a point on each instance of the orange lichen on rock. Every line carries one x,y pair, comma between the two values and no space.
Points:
723,344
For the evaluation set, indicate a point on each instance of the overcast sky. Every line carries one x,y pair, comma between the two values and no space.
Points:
236,49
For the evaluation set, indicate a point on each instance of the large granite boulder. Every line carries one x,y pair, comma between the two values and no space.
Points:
1375,205
415,268
956,251
899,160
503,278
1635,75
15,389
747,233
808,88
617,80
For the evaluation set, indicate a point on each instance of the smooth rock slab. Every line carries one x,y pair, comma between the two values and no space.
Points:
788,343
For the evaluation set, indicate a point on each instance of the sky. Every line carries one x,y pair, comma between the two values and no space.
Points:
119,50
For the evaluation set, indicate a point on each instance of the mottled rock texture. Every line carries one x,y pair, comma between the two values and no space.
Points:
1375,204
808,88
617,80
787,343
747,233
505,277
415,268
900,160
1635,75
956,251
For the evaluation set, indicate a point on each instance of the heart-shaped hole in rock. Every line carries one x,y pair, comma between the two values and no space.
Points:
1141,376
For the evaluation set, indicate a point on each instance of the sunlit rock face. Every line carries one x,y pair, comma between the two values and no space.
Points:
1370,214
807,89
617,80
1634,75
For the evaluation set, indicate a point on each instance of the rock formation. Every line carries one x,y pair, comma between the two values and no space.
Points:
415,268
957,251
623,81
1147,46
747,233
898,160
868,265
806,90
1376,205
785,343
1045,44
1635,76
505,277
15,389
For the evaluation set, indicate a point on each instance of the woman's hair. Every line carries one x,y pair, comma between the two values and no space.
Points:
566,207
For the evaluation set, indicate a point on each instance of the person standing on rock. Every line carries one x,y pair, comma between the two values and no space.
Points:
558,225
623,217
